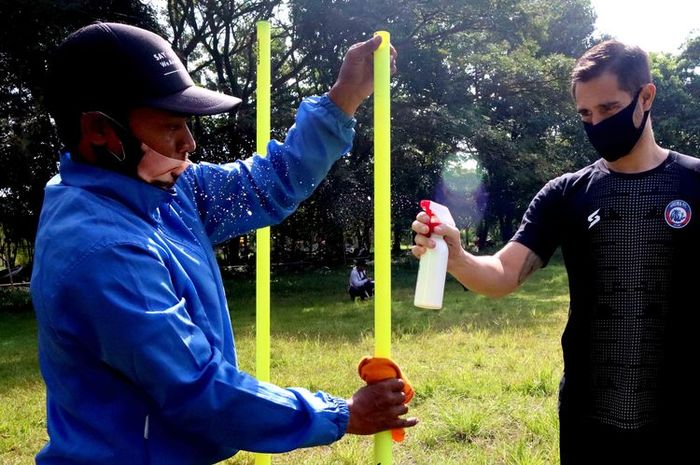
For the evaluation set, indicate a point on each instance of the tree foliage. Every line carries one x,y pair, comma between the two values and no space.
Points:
29,32
482,82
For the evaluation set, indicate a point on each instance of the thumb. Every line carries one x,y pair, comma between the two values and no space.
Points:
368,47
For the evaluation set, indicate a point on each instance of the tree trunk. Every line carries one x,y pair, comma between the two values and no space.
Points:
396,243
482,234
506,226
366,235
335,246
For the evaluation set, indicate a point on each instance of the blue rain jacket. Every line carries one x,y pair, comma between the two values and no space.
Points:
135,340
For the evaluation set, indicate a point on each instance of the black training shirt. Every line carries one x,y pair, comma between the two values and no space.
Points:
630,246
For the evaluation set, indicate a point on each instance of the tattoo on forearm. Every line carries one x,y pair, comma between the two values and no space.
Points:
532,263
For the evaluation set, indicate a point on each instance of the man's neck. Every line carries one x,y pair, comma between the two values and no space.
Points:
646,155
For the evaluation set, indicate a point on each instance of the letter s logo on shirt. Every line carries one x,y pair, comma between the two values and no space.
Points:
593,219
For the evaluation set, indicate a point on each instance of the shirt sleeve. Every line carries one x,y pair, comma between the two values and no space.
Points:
539,229
238,197
130,316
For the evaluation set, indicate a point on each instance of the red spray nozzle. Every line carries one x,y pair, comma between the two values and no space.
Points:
425,205
438,214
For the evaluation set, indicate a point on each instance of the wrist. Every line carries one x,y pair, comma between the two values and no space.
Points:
344,99
456,265
350,427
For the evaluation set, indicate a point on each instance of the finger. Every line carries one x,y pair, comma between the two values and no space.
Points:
396,384
424,241
420,227
405,423
390,400
391,384
423,217
441,230
367,47
417,251
446,230
398,410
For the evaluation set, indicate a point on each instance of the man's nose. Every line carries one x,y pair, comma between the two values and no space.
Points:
596,118
187,144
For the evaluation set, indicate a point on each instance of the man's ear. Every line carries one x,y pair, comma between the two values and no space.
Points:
648,94
96,129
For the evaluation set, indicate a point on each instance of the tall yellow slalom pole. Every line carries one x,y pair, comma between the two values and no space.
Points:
262,253
382,221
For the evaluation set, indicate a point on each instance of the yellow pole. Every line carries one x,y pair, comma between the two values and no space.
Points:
382,222
262,254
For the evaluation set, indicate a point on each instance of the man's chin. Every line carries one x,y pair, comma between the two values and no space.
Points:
163,182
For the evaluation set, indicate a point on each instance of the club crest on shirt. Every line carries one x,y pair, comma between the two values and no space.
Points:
677,214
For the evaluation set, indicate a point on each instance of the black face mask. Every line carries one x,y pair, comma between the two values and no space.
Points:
615,137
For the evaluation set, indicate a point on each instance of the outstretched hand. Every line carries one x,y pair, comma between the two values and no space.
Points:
355,80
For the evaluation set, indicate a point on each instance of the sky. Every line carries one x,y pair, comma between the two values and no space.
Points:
654,25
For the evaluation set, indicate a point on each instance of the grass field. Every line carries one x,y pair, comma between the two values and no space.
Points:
486,371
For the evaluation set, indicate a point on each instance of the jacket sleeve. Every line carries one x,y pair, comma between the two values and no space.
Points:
239,197
131,317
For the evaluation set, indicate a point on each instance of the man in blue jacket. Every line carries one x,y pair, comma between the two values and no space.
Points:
135,340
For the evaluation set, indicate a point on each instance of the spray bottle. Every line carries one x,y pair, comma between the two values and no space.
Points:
432,268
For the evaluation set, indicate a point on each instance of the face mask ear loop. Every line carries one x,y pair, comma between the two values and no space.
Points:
119,158
122,157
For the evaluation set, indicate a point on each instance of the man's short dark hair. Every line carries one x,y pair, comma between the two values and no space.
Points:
629,63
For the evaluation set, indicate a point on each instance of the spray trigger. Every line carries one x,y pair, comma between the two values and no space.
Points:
425,205
438,214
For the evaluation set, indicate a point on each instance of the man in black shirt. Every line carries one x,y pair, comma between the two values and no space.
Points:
629,240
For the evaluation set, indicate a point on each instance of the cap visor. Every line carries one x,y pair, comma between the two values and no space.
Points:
195,101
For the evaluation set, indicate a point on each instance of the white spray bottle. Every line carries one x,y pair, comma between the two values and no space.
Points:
432,268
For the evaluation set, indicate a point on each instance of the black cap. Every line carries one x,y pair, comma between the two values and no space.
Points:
111,66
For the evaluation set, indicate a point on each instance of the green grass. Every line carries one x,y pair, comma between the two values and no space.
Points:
22,396
485,370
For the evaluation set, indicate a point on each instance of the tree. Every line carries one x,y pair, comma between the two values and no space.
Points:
488,75
29,32
676,109
479,80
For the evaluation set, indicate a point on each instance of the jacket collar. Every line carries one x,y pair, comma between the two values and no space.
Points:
134,193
